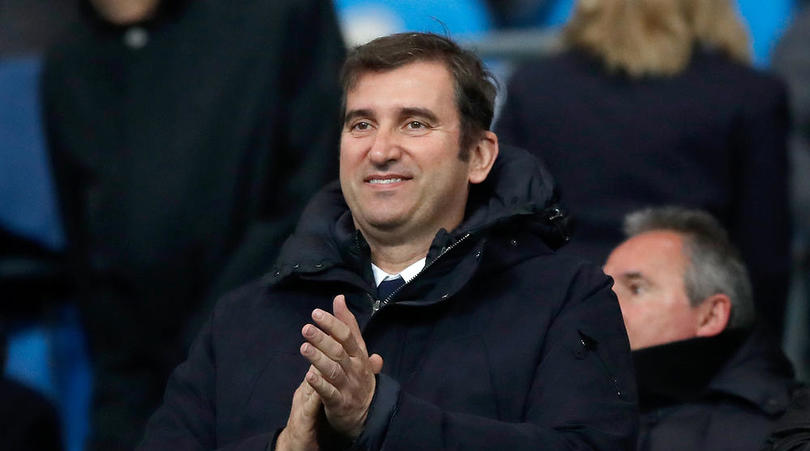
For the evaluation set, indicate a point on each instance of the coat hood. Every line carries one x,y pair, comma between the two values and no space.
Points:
519,191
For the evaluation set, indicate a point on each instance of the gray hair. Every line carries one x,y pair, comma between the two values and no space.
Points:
715,265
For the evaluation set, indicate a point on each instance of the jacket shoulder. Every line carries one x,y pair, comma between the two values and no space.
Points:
242,301
548,69
525,255
736,76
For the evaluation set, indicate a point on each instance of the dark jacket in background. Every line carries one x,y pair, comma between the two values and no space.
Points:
792,61
28,421
712,137
499,343
28,27
713,394
184,149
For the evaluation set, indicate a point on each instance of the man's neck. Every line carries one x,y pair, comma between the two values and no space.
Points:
394,258
393,250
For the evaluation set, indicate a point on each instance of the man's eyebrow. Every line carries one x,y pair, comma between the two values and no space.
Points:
417,111
357,113
632,275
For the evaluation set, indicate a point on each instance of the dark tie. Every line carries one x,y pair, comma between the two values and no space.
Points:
386,287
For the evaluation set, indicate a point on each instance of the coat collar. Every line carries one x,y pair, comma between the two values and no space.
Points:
740,364
326,245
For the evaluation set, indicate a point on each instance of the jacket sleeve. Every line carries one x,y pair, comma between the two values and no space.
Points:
187,418
760,221
583,395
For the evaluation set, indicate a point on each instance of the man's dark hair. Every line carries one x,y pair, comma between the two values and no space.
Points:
474,86
714,265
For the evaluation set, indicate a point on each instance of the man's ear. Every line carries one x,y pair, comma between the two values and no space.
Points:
482,157
713,315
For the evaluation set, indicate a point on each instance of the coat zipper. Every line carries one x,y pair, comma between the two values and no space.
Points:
379,304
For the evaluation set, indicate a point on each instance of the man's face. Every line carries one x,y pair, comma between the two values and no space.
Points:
123,12
400,170
648,270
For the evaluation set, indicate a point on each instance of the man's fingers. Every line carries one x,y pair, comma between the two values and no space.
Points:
326,391
308,390
325,343
312,402
331,325
345,388
338,330
304,407
376,362
299,433
326,366
345,315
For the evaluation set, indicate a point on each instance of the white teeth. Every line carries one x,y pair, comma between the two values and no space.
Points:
384,181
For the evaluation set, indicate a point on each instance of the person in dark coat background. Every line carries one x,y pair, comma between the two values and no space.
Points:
791,60
30,280
455,325
708,379
186,137
27,420
652,103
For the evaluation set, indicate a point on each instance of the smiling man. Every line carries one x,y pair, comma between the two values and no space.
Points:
402,171
702,368
420,303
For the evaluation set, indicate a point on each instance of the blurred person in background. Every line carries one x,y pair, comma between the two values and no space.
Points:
791,60
27,420
27,27
652,102
185,137
708,379
35,380
30,287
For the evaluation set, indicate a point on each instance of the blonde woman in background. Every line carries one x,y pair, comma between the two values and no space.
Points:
656,37
653,102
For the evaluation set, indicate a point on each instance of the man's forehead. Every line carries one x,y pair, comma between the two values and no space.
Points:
417,71
656,242
420,86
647,249
657,252
436,66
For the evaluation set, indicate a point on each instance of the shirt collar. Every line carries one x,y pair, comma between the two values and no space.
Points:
407,274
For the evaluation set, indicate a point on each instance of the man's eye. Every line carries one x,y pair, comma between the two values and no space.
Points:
416,125
636,288
361,126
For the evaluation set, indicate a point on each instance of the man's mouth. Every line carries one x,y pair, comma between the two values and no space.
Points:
386,180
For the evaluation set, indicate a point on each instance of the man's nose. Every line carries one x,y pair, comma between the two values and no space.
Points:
385,148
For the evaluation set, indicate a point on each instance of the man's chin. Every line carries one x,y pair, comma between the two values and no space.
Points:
388,224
